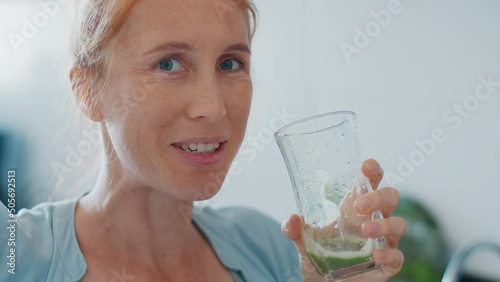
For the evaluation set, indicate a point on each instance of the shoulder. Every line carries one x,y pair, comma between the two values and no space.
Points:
33,248
28,253
254,240
243,223
239,217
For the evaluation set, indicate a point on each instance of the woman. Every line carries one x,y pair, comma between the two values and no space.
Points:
168,83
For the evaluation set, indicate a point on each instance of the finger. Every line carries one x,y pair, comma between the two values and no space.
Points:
371,169
392,228
292,229
392,259
385,200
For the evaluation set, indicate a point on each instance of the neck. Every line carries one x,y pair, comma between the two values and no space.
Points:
134,219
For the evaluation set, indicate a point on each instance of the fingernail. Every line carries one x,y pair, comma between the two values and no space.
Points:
287,225
363,204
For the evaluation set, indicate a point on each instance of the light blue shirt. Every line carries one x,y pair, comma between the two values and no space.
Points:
247,242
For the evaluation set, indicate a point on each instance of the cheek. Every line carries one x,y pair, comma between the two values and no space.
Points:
147,100
239,99
238,109
136,111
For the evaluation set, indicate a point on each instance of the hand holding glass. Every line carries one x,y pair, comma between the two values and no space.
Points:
322,157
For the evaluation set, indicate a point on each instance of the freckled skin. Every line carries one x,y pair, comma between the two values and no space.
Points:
201,101
136,222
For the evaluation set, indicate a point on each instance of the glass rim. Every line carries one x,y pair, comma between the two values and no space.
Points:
284,128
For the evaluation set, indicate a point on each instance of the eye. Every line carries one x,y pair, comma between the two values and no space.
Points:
172,65
230,65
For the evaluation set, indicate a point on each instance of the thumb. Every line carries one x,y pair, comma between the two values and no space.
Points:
292,229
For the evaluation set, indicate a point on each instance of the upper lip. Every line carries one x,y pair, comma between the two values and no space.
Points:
208,140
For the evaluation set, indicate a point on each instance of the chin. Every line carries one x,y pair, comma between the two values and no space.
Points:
199,190
207,190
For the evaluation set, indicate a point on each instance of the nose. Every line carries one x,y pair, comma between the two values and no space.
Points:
207,99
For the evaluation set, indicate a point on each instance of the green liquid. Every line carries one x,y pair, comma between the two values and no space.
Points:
326,264
330,262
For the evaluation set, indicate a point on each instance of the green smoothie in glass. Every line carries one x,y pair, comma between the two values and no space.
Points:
334,254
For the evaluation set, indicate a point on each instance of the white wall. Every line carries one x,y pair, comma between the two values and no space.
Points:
426,60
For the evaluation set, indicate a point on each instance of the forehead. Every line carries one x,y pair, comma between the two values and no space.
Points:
191,21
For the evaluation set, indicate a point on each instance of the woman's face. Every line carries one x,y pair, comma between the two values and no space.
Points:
179,94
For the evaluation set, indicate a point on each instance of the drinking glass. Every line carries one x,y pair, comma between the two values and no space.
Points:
322,157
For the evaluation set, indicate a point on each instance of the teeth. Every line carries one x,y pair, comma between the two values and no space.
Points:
198,148
209,147
201,148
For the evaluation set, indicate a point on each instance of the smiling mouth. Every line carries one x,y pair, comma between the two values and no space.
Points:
199,148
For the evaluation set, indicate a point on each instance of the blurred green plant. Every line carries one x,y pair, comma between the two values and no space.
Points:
423,245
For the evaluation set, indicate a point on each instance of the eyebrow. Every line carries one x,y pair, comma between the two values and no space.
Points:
242,47
171,46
